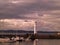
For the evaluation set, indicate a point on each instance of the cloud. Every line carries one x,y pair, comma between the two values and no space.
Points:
16,24
15,10
48,12
51,22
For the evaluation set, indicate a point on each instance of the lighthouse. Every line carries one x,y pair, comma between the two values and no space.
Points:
35,27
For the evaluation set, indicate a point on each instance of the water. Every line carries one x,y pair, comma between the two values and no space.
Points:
36,42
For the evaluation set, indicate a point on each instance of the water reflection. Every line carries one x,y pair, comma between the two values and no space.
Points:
47,42
36,42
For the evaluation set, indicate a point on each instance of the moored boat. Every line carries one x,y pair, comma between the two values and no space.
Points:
6,40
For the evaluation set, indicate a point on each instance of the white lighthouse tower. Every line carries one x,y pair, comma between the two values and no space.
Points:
35,27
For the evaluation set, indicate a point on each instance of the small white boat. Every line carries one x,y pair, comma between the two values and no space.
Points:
6,40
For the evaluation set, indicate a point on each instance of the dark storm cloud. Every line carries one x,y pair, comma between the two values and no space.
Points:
9,10
49,12
14,12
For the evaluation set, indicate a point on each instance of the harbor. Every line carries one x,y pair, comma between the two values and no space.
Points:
8,36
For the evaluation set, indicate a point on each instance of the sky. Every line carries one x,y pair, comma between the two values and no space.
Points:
24,12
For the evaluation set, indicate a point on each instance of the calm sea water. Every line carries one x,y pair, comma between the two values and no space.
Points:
36,42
